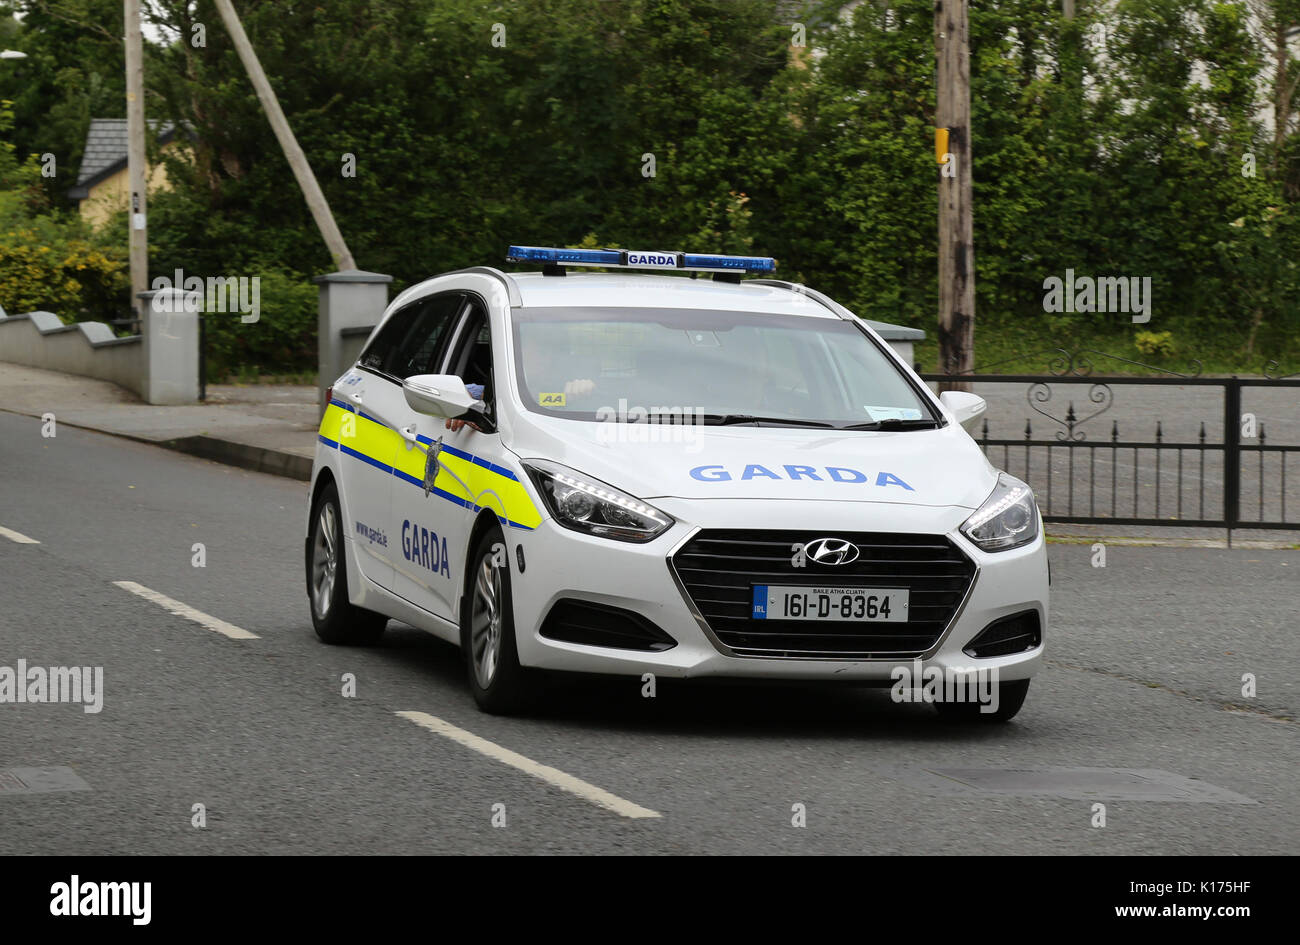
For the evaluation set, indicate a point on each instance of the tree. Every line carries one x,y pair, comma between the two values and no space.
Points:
73,72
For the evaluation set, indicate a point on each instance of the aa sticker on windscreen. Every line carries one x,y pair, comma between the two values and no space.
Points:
892,413
551,400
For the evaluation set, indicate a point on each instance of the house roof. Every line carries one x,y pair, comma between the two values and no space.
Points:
105,152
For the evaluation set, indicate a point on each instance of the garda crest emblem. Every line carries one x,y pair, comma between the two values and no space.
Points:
431,465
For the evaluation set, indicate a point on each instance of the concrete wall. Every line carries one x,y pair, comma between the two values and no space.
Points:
170,360
161,365
351,304
40,339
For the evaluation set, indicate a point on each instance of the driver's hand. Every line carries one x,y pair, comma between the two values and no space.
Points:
579,387
455,426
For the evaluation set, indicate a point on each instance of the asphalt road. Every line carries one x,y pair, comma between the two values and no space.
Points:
1145,663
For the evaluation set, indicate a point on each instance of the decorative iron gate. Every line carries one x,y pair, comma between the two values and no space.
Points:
1225,479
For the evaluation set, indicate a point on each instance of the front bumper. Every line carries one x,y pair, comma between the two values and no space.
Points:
564,564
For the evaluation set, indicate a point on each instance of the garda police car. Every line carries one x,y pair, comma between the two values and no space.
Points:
653,473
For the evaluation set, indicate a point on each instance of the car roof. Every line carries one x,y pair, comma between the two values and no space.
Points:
629,290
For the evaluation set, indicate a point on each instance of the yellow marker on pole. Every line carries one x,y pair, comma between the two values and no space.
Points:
940,144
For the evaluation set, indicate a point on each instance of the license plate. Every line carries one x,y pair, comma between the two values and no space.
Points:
873,604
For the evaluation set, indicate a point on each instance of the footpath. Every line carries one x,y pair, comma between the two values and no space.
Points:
269,428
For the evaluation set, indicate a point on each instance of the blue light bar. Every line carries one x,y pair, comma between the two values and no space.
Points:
640,259
570,257
710,263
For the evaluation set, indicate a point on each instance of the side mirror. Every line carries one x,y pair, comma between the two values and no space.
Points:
440,395
966,408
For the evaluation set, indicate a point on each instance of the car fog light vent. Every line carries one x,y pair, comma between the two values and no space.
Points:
580,621
1014,634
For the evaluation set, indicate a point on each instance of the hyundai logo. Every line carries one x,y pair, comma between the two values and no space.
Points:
834,551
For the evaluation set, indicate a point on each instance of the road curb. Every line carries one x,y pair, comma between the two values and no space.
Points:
256,458
228,452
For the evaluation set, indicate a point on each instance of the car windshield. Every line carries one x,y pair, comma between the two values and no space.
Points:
686,365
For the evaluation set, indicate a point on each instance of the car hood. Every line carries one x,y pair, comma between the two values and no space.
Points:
942,467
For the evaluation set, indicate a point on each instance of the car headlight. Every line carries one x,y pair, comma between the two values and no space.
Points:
1007,519
589,505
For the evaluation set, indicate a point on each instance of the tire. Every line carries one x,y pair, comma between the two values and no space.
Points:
487,631
336,620
1011,696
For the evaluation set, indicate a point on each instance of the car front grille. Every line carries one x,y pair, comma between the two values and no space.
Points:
718,569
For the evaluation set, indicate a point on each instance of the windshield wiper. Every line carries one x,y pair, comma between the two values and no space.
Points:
894,423
729,419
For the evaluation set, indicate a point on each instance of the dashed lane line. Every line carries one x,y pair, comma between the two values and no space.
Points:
17,537
552,776
189,613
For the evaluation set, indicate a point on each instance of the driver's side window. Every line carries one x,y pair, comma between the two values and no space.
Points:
471,357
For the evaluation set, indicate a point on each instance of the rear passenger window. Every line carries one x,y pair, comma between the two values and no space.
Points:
413,338
382,345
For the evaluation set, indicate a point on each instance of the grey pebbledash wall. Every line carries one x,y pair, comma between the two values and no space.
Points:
161,364
40,339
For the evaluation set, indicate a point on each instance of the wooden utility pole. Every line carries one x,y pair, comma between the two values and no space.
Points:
316,203
1283,90
956,256
137,171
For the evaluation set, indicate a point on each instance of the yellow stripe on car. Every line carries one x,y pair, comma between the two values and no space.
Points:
463,478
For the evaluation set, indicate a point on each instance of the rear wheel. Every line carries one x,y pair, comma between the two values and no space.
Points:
487,631
1011,696
336,620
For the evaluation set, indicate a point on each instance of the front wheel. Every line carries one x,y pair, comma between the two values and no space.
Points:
487,631
1011,696
336,620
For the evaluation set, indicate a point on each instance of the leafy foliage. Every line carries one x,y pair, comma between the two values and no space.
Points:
50,261
1131,141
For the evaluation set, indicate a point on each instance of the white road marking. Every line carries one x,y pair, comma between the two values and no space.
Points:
18,537
188,612
552,776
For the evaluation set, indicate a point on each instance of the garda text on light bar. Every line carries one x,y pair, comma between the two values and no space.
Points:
640,259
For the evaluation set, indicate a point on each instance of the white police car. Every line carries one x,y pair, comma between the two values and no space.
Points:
644,473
